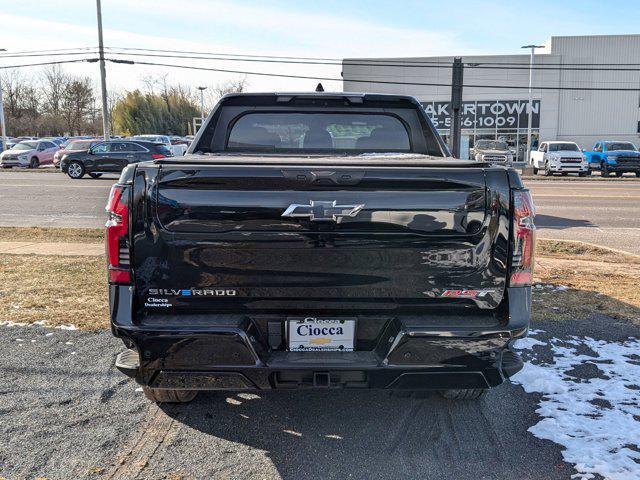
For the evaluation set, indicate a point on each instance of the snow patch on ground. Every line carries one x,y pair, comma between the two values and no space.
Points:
594,415
528,342
40,323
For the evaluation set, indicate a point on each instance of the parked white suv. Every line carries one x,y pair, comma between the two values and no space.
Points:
559,157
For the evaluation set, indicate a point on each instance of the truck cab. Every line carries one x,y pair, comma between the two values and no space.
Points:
559,157
614,157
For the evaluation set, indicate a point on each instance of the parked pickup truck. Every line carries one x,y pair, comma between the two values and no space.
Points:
319,240
559,157
491,151
614,157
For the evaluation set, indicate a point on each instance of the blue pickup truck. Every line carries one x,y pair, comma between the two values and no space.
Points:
614,157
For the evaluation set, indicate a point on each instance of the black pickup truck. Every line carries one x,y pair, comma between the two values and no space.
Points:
319,240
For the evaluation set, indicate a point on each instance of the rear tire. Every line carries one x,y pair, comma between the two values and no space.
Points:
463,393
158,395
75,170
604,170
618,174
583,174
34,163
638,174
535,170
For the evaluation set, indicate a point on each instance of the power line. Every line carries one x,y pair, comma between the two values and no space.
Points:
363,61
89,60
349,63
373,61
383,82
44,51
222,54
621,67
309,77
47,55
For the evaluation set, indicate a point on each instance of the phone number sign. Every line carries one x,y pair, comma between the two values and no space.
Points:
501,114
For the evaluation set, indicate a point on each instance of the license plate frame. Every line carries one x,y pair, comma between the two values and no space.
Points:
317,336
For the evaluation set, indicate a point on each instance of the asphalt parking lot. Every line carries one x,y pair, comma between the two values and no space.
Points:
86,420
604,212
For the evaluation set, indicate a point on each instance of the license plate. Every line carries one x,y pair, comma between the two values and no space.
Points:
321,334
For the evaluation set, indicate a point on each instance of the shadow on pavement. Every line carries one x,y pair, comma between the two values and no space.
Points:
551,221
377,434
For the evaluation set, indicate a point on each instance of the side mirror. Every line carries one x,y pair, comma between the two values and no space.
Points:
90,151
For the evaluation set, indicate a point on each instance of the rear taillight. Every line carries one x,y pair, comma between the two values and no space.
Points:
524,235
118,235
157,156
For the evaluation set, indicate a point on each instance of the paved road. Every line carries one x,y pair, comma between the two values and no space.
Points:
46,199
601,212
68,414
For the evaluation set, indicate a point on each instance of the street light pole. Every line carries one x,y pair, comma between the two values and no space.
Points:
202,89
103,76
4,125
530,103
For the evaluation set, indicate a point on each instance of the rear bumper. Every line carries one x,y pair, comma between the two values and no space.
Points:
234,354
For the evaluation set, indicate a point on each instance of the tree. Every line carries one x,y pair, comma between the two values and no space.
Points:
55,81
168,113
113,98
76,104
219,90
21,102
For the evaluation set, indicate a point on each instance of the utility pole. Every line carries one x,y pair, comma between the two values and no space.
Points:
103,76
530,104
4,125
456,105
202,89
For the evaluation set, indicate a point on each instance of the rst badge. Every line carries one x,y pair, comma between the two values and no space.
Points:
465,293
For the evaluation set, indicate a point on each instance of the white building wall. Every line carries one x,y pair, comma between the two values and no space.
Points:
582,116
588,116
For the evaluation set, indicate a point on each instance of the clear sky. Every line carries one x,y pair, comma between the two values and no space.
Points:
327,28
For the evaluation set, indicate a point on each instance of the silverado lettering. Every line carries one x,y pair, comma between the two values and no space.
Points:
195,292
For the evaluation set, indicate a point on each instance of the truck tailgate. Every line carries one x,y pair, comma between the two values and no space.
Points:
269,238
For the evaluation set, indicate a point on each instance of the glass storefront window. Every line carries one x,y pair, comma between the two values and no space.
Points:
515,138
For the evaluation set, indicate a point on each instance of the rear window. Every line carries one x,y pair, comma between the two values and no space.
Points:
288,131
160,148
79,145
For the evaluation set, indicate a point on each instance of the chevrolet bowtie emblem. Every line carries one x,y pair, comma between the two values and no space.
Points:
322,211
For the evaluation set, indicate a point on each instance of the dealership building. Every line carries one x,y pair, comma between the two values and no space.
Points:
492,110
